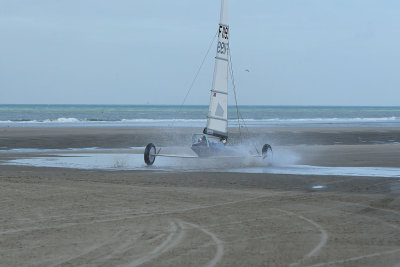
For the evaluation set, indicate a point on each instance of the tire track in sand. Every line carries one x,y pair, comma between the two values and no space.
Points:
173,239
220,247
87,250
356,258
376,254
127,217
322,241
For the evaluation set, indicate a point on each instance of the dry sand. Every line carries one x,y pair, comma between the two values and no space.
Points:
67,217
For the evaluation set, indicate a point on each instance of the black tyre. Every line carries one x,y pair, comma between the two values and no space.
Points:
149,154
266,151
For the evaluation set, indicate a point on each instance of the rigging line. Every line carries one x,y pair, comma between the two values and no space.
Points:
244,122
248,131
239,114
240,117
234,91
197,73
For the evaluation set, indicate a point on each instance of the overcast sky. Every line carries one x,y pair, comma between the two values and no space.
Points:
299,52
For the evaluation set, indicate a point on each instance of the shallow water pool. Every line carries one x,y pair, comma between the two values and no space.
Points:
129,161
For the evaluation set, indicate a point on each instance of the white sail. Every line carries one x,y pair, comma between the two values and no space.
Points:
217,119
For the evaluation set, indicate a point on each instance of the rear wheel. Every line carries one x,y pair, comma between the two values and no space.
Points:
266,151
149,154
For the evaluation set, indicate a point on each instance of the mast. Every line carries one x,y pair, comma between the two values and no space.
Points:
217,119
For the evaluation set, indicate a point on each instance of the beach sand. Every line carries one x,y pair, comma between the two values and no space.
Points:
70,217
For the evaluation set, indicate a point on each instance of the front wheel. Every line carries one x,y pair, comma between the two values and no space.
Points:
266,151
150,154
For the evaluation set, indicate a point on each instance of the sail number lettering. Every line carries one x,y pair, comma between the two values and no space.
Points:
222,48
223,32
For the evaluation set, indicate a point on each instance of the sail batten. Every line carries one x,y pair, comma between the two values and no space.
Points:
215,91
220,58
217,119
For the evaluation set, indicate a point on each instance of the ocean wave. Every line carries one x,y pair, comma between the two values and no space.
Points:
323,120
163,120
63,120
58,120
251,121
94,121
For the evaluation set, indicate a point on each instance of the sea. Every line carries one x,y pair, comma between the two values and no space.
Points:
195,116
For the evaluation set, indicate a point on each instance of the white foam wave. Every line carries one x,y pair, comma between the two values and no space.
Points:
163,120
200,122
63,120
325,119
59,120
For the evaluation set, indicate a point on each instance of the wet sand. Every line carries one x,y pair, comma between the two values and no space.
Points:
68,217
122,137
